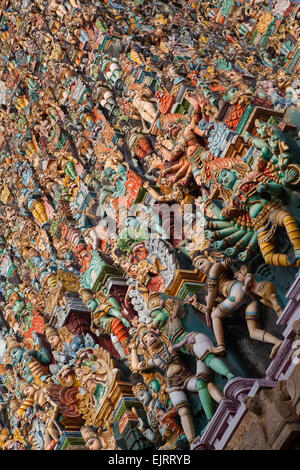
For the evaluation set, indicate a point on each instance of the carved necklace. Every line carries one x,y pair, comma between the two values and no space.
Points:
166,357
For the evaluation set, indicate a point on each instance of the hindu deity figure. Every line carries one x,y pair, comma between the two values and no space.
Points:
162,353
225,296
168,314
154,408
4,398
32,395
112,72
141,147
36,206
57,338
107,318
275,149
143,224
250,209
293,92
98,439
110,112
51,430
178,193
15,442
92,383
29,363
145,277
16,300
45,272
142,101
187,147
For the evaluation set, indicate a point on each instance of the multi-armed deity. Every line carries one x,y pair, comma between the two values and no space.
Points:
150,216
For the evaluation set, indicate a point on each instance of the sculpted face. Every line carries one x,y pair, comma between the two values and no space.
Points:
29,391
273,142
42,416
93,444
239,276
151,340
227,178
144,397
204,265
173,129
66,377
16,355
134,269
232,92
54,340
13,298
32,298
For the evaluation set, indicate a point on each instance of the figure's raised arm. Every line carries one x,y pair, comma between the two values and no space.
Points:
199,103
136,364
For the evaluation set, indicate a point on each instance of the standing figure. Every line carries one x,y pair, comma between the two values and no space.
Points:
187,149
160,353
143,102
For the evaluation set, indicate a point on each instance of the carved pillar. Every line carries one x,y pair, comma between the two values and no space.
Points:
293,388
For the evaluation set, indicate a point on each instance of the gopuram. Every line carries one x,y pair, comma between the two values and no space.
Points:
150,224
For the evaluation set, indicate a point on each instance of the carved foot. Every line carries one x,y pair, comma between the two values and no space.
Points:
275,349
194,441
